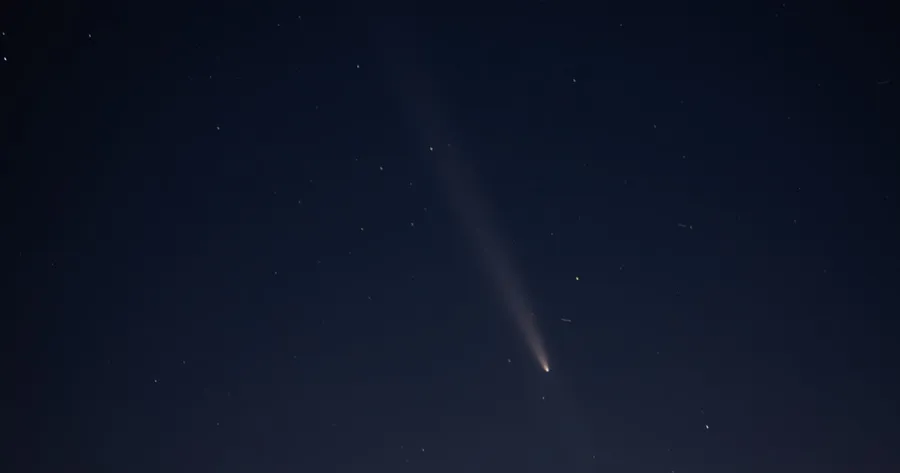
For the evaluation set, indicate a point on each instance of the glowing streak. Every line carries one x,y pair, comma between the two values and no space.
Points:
472,210
417,96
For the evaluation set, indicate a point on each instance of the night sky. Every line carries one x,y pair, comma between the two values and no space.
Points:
258,239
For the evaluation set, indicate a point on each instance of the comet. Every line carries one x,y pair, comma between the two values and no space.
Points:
474,214
471,209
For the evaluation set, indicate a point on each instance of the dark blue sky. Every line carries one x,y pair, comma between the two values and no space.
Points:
233,252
